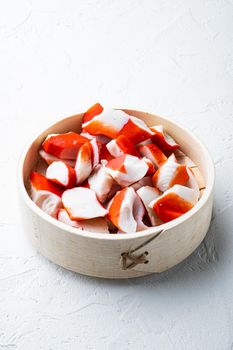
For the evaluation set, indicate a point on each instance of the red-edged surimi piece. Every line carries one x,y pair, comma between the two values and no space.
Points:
122,146
95,152
83,166
192,182
45,194
88,157
121,210
169,174
99,138
109,123
145,181
152,152
62,174
147,195
151,168
81,204
91,225
64,146
139,212
162,139
174,202
40,183
127,169
104,154
92,112
101,182
49,159
136,130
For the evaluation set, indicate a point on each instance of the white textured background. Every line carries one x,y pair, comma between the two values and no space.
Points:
171,57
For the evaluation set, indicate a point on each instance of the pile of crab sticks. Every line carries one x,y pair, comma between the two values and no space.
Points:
117,176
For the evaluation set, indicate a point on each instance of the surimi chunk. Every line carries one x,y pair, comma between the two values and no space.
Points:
64,146
122,146
121,210
101,182
136,130
62,174
88,157
92,112
49,159
139,212
127,169
109,123
162,139
147,195
174,202
152,152
81,203
92,225
45,194
169,174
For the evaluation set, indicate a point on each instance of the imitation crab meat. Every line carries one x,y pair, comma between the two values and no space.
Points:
174,202
81,204
127,169
45,194
62,174
169,174
92,225
117,176
64,146
164,141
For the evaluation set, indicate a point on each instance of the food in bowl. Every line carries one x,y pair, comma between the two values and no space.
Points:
117,176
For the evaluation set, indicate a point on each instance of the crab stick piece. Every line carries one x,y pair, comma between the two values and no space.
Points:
121,210
88,157
127,169
153,153
81,203
45,194
147,195
151,168
101,182
122,146
108,123
64,146
162,139
175,202
145,181
49,159
40,183
139,212
62,174
83,166
136,130
94,110
91,225
104,154
99,138
169,174
192,182
95,152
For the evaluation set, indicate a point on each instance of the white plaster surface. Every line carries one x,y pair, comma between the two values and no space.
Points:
171,57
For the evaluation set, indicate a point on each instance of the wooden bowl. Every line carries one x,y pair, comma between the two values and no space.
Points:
124,255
